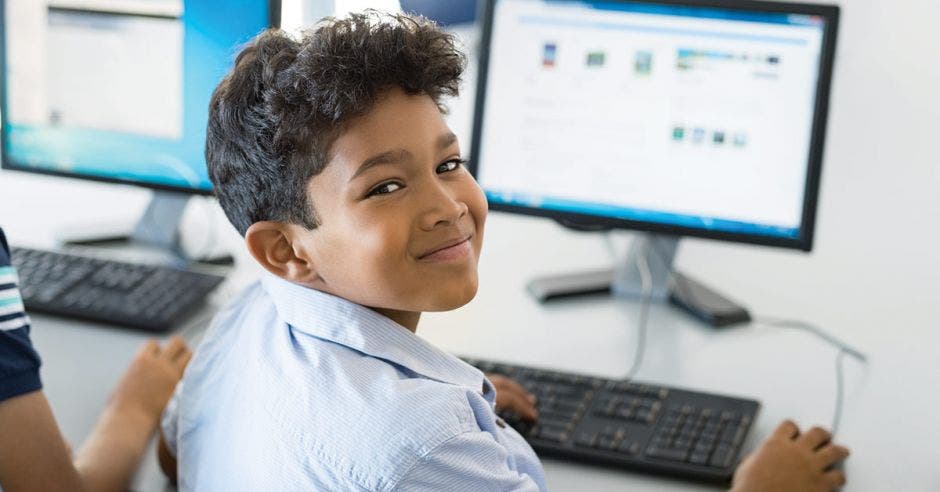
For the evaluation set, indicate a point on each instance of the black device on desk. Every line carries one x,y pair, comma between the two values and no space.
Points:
152,298
645,427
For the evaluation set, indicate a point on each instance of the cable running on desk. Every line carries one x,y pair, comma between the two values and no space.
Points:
844,349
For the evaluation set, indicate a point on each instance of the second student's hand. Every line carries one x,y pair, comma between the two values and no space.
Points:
790,460
510,395
150,379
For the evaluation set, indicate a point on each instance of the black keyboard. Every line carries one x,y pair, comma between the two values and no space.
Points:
140,296
644,427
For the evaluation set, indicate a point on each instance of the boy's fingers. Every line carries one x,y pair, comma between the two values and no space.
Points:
831,454
150,347
185,354
787,430
183,360
518,403
523,394
504,384
514,385
815,437
174,347
184,351
834,479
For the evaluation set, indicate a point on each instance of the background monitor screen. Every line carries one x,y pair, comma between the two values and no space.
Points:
689,119
117,90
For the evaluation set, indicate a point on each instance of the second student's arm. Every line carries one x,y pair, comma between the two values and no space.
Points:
34,456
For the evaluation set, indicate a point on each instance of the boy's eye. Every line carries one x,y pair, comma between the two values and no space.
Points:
450,165
384,189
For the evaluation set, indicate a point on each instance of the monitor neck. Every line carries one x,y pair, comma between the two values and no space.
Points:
160,223
658,251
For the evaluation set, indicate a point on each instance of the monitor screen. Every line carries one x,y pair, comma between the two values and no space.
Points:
682,117
117,90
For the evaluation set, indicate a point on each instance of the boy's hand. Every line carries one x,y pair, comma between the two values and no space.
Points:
788,460
148,383
511,396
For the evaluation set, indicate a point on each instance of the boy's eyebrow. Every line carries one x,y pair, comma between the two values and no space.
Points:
393,156
388,157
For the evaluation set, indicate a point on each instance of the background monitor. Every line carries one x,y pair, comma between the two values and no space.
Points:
118,90
700,118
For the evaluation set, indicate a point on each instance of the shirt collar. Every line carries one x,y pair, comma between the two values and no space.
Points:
349,324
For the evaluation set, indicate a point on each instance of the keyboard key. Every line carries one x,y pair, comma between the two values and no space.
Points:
722,456
608,442
585,439
728,434
629,447
553,434
699,458
671,454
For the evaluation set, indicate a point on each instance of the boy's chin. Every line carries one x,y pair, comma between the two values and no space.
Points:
452,299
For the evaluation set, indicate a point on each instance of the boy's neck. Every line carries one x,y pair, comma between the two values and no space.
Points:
408,319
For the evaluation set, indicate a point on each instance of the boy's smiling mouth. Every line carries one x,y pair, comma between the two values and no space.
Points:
451,249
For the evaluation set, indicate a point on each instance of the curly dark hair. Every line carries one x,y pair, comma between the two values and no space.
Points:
273,118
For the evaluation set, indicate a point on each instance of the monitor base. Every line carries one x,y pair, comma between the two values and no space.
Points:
157,228
680,290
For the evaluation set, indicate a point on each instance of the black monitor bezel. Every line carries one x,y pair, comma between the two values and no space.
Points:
274,16
817,139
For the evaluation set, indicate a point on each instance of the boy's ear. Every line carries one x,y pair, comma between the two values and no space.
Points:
272,246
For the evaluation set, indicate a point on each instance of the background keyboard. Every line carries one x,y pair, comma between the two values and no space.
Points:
650,428
147,297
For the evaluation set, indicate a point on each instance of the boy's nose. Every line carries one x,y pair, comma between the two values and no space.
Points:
443,208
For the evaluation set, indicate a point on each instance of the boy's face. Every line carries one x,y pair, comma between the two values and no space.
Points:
401,219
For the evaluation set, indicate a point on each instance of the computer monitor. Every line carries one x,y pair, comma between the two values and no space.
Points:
679,118
118,90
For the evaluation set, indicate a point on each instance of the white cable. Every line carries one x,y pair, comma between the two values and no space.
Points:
815,330
646,280
840,393
844,349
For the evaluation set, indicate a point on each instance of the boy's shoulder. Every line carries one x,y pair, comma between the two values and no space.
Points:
326,413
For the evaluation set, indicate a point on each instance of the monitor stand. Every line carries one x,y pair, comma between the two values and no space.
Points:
157,228
625,280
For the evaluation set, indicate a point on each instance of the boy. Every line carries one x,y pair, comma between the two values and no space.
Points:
331,157
33,455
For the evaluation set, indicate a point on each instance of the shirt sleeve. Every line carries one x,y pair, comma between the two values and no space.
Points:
19,362
471,461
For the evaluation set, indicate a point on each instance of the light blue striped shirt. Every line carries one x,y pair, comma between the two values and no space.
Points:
295,389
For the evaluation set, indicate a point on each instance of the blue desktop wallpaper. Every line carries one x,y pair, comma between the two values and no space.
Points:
211,40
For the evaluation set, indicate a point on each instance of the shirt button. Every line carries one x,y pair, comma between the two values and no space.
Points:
501,423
